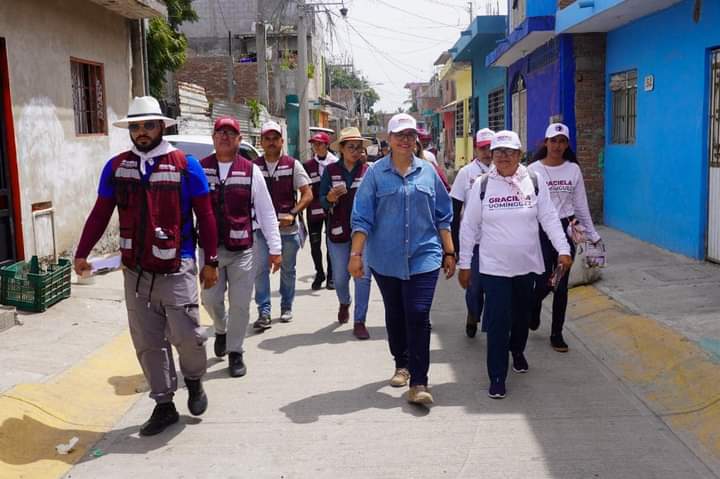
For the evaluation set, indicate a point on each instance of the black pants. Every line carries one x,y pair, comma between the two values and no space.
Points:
316,238
542,286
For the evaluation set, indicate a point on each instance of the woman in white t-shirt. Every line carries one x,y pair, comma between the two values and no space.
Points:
502,213
559,169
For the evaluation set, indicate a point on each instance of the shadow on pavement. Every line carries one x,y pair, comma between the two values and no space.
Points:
128,385
326,335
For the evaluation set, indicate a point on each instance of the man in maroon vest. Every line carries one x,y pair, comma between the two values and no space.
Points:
156,188
237,188
284,176
316,217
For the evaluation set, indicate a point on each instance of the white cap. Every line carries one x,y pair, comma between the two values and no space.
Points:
270,126
506,139
556,129
484,137
400,122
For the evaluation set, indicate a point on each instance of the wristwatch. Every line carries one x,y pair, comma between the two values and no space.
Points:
212,262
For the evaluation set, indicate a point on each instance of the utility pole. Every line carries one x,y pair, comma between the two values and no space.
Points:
301,81
261,48
362,111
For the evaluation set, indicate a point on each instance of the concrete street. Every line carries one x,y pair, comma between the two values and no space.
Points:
316,402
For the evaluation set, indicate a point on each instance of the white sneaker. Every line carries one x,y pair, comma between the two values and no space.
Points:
286,316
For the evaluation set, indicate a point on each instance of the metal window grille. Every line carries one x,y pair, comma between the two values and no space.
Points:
460,119
496,109
88,88
624,106
471,116
714,137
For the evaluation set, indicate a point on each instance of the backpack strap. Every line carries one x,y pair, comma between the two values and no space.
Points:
484,181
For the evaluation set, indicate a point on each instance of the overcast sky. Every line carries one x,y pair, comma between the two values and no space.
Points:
394,42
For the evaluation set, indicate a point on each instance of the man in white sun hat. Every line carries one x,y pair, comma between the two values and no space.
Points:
156,189
461,187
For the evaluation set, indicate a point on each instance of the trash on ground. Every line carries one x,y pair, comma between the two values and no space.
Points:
67,448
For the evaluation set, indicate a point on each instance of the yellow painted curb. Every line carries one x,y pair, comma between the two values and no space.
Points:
84,402
674,376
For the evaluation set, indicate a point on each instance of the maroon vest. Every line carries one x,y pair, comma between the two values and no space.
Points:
150,212
232,201
316,213
339,229
280,184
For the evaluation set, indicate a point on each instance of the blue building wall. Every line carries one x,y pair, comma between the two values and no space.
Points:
549,79
484,79
538,8
656,189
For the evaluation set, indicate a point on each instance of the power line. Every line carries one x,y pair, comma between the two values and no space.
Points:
397,32
408,12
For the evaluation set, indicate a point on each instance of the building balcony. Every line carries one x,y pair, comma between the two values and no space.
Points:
135,9
532,33
586,16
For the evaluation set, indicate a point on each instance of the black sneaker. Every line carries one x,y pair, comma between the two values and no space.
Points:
236,365
330,284
318,281
558,343
263,323
163,415
220,341
520,364
470,326
497,390
197,399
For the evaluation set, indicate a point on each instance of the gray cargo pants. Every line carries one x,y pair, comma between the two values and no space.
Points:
236,274
162,311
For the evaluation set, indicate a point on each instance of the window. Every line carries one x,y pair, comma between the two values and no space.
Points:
623,88
471,116
460,119
496,110
519,110
88,85
517,14
714,137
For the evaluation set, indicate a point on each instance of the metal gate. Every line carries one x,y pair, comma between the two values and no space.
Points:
7,228
713,236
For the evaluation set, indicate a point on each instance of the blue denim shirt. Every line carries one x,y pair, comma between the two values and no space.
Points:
402,217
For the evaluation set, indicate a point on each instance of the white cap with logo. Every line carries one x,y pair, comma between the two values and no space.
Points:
401,122
506,139
556,129
270,126
484,137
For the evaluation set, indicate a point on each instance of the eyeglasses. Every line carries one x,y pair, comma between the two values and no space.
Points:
228,133
406,136
147,125
353,148
503,151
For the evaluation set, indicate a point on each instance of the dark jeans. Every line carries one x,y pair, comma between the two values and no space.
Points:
316,237
474,295
507,314
542,286
407,319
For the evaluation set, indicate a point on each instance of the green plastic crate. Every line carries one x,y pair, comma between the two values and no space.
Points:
34,291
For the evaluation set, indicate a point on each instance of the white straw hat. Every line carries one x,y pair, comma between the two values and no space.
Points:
143,108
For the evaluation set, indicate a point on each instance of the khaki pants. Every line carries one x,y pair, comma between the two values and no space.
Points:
162,311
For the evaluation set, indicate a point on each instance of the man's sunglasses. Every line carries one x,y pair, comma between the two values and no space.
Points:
146,125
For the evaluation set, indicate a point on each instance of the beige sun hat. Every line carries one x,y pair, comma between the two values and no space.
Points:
350,134
144,108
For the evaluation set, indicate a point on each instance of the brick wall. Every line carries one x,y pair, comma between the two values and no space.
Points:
211,73
589,51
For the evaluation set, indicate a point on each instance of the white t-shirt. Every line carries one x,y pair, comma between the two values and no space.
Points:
506,225
567,191
465,179
300,179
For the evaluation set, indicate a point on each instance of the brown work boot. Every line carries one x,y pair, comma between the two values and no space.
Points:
419,395
360,331
344,313
400,378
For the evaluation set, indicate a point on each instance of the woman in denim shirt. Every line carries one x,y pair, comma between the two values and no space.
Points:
403,212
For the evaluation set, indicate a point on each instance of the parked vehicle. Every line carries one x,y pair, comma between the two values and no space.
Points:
200,146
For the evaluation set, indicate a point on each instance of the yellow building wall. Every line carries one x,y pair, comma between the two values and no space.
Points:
463,140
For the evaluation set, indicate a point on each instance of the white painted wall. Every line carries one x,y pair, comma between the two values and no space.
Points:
54,163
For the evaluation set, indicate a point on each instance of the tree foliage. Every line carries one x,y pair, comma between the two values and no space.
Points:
341,78
166,45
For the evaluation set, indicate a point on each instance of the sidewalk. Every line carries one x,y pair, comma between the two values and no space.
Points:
315,402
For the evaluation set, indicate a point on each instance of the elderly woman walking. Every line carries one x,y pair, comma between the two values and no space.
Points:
401,217
502,213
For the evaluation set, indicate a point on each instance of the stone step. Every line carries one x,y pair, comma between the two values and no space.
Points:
8,317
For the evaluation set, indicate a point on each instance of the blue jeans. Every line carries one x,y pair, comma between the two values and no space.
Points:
407,319
508,302
340,257
290,247
474,295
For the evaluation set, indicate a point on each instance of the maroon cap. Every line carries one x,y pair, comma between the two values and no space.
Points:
227,121
423,134
320,138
